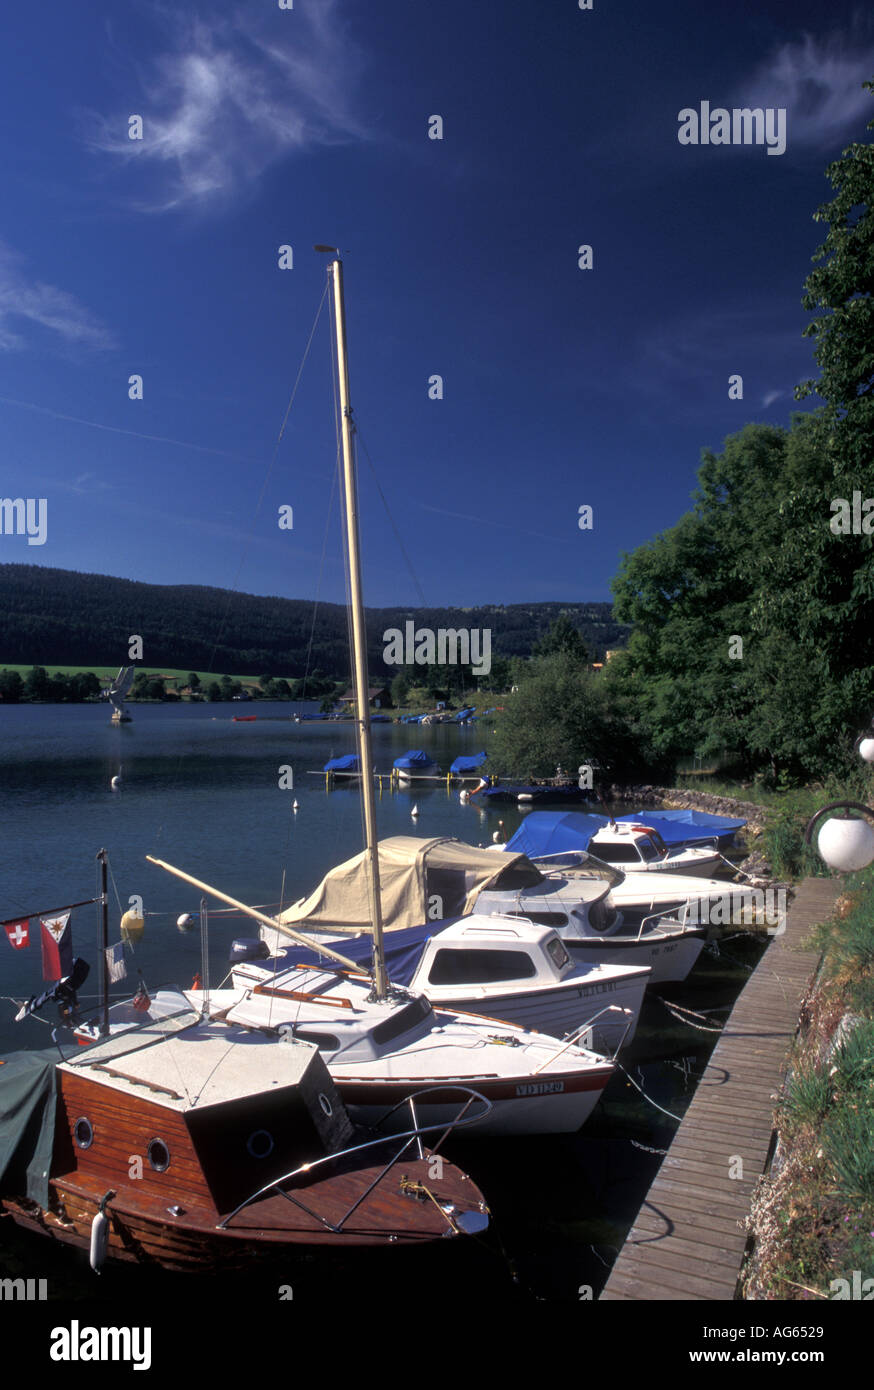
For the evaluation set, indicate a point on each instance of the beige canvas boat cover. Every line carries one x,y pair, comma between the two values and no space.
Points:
420,881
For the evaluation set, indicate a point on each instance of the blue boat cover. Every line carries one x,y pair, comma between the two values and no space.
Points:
416,757
402,949
348,763
468,763
684,827
555,832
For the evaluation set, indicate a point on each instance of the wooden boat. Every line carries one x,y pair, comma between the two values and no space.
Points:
206,1146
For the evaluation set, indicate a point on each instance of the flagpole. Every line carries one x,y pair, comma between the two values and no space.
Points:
104,932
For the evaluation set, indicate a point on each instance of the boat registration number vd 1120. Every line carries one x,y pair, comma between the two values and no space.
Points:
540,1088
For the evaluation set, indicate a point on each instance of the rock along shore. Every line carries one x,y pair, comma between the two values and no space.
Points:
682,798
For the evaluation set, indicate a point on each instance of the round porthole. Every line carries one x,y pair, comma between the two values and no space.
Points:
326,1105
260,1144
84,1133
158,1155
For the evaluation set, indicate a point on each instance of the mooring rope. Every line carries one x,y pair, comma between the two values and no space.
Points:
676,1011
649,1098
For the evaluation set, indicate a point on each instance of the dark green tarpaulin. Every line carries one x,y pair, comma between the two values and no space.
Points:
28,1091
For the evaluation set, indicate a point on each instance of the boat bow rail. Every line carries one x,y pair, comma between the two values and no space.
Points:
404,1140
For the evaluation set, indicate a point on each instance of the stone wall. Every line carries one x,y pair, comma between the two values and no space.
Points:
675,798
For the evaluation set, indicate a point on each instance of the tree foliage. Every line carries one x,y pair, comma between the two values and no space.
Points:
839,293
561,714
755,560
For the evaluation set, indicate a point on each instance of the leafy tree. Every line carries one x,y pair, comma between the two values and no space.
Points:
560,714
11,687
562,636
839,292
499,677
400,688
756,560
193,681
84,685
214,691
36,684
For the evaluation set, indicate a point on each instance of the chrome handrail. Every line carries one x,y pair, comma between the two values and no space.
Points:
407,1135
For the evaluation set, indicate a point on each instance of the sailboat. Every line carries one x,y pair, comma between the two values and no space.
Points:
158,1134
384,1045
116,693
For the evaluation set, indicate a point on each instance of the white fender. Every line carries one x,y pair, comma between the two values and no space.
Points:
99,1238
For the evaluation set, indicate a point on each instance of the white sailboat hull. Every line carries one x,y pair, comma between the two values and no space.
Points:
542,1105
670,958
564,1007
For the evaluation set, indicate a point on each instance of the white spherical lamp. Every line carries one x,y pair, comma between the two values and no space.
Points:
866,749
846,844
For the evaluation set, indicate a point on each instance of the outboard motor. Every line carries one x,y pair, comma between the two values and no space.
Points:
248,948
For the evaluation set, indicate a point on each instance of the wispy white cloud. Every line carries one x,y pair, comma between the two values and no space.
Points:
231,94
116,429
25,301
771,396
819,82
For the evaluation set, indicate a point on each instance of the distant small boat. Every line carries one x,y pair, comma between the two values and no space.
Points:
116,693
468,765
347,766
415,763
243,718
535,794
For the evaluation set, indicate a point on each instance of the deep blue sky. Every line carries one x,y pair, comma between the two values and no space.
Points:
562,386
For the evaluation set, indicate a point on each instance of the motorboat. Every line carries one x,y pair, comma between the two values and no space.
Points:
685,826
415,763
627,845
504,967
581,911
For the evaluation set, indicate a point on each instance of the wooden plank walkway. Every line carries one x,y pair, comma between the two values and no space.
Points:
688,1240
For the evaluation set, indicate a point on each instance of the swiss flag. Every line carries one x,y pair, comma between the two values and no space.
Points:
18,933
57,947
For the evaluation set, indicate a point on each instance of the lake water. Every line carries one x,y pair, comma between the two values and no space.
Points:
202,792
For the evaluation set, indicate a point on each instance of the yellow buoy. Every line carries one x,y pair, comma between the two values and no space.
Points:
132,927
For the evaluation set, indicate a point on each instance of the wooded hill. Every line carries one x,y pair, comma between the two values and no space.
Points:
55,616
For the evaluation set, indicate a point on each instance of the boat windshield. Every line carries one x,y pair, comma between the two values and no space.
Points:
131,1028
580,864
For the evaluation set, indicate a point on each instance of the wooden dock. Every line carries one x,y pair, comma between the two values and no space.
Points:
688,1239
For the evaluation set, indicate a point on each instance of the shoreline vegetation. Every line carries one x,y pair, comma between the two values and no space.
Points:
812,1219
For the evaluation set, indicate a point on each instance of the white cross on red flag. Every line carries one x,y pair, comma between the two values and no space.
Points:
18,933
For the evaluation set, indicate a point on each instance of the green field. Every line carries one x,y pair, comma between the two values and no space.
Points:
107,673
